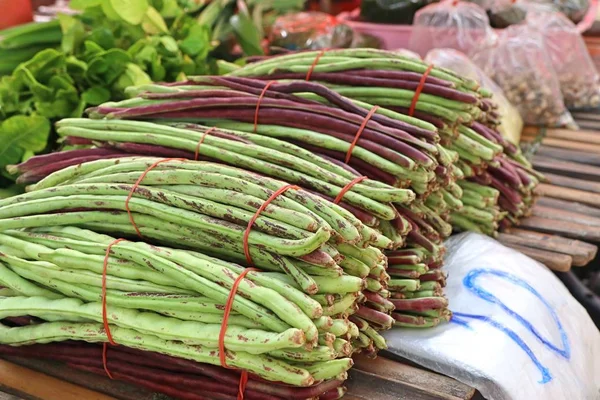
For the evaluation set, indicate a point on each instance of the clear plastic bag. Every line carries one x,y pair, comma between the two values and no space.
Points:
579,80
518,63
451,24
315,30
511,123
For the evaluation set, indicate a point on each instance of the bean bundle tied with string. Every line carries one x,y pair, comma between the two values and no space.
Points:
308,167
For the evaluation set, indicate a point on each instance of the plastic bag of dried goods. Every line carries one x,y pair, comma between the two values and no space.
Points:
518,63
451,24
511,123
579,80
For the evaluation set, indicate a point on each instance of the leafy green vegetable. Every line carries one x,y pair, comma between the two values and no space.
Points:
22,133
153,23
96,95
132,11
247,34
197,42
73,33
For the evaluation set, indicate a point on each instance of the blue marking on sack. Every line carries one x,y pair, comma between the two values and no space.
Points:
461,318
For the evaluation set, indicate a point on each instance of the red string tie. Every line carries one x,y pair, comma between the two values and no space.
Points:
279,191
223,331
359,132
349,186
204,134
104,312
236,283
314,64
417,94
262,94
137,184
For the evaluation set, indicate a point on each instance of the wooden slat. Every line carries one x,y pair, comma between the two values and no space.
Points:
585,115
562,228
588,125
572,169
567,155
554,261
581,253
411,375
62,373
572,145
383,379
562,215
569,206
31,384
573,183
584,136
557,192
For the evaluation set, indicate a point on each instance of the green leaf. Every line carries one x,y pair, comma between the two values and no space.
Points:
247,35
19,134
133,76
73,33
103,37
132,11
197,42
153,23
110,11
96,95
170,9
169,44
83,4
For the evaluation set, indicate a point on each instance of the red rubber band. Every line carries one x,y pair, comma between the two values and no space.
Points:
135,186
262,94
223,331
260,210
413,104
105,359
359,132
346,188
314,64
104,312
242,387
197,152
104,273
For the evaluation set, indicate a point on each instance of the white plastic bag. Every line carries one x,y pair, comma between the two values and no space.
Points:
511,123
516,333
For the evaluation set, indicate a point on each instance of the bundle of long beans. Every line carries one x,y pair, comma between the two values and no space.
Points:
171,302
463,114
324,298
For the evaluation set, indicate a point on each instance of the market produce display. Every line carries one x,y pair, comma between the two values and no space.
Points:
317,186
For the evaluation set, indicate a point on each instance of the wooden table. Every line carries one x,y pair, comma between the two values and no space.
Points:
564,227
380,379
